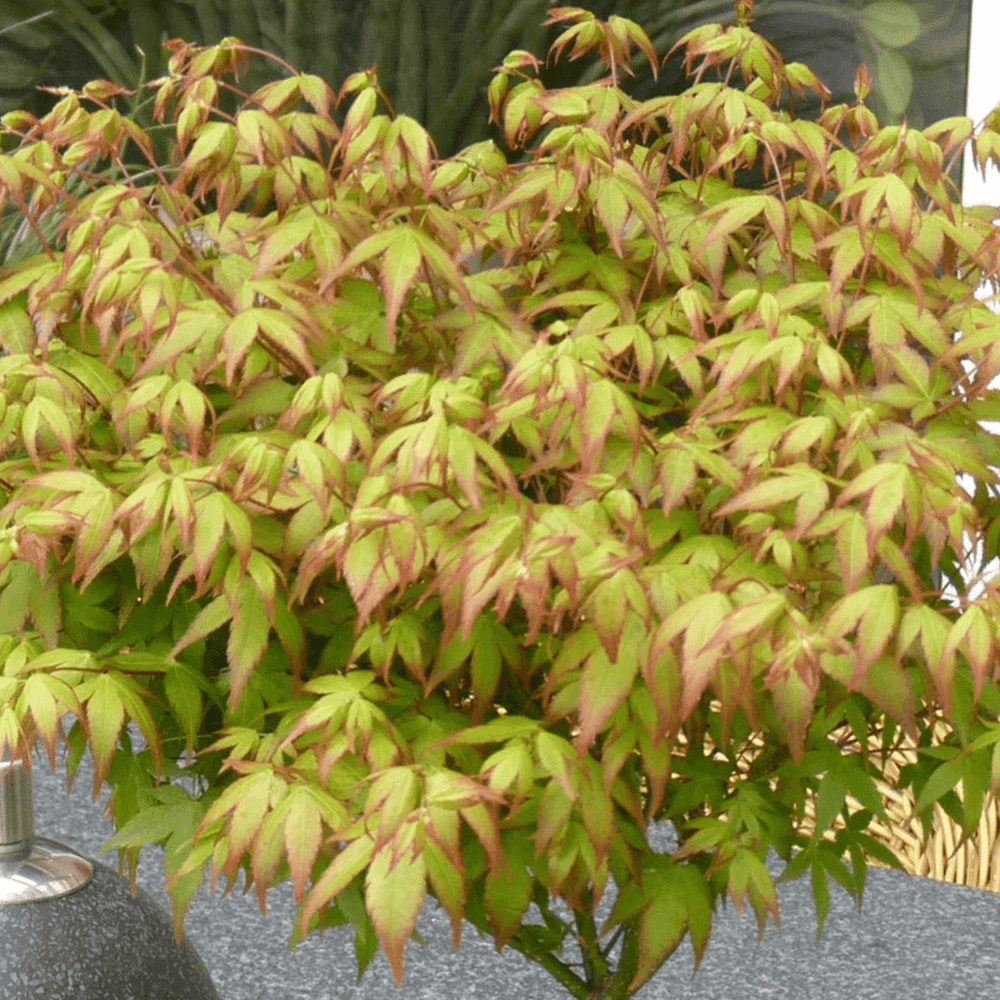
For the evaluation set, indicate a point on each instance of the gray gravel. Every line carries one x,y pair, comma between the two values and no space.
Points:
914,938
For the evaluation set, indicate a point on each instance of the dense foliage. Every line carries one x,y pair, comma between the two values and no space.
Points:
438,579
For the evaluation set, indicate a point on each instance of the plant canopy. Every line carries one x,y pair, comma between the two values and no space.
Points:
439,579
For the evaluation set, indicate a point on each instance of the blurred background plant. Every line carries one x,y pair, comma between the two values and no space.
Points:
435,57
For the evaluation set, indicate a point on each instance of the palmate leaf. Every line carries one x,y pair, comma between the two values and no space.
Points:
183,691
976,635
47,697
394,894
606,683
497,730
105,716
302,836
212,616
448,886
853,551
170,823
672,900
248,635
508,889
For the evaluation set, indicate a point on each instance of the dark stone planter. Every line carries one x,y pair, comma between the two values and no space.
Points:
97,943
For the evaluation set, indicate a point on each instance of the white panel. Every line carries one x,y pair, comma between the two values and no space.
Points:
982,97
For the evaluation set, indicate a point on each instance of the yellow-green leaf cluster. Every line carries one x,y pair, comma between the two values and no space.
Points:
433,571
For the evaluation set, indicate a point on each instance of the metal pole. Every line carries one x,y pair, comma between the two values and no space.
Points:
31,867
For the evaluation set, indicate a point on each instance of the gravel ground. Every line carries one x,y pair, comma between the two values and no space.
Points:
914,938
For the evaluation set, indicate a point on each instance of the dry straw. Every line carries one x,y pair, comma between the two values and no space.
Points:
975,863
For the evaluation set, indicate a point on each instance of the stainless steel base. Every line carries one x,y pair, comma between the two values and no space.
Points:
45,871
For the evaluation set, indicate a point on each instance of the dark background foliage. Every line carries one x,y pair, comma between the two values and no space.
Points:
435,56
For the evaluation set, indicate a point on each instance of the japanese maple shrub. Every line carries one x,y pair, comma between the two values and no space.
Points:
439,580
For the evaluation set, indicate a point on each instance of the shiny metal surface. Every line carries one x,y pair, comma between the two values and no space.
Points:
17,806
31,868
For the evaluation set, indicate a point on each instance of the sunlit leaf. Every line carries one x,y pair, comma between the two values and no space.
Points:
394,895
302,837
